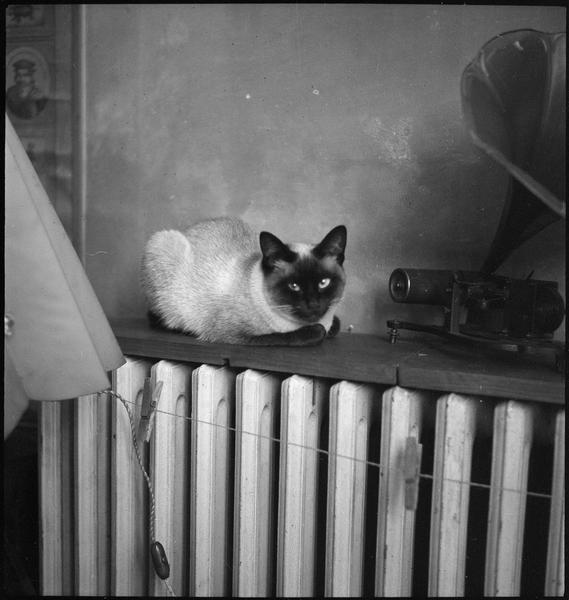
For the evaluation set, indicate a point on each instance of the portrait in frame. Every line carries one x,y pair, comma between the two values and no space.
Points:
28,83
29,20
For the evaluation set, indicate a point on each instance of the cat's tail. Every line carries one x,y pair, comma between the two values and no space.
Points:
163,273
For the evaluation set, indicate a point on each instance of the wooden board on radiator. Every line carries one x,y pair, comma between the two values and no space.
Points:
353,357
415,361
502,374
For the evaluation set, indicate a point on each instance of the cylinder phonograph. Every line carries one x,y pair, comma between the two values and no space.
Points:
513,100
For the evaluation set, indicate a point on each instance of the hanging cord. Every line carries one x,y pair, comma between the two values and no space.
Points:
157,553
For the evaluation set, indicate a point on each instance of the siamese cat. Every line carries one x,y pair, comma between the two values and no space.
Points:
221,282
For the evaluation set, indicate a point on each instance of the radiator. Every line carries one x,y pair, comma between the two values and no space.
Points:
270,484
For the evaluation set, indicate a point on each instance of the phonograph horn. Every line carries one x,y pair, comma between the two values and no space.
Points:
513,101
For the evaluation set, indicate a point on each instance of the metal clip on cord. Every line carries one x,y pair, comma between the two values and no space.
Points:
150,398
159,560
411,468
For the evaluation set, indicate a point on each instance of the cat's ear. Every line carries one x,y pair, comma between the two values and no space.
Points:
274,250
334,244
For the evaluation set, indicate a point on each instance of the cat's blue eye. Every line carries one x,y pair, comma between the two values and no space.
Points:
294,286
324,283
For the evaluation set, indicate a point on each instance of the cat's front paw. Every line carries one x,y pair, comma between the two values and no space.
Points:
335,327
310,335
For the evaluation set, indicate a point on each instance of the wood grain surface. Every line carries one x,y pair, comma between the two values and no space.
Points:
415,361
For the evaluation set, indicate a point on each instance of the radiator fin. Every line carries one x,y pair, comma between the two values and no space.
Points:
555,566
454,439
513,428
213,414
169,470
51,502
255,473
351,413
303,411
129,505
92,491
402,414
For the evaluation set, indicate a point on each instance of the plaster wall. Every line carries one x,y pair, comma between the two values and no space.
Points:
297,117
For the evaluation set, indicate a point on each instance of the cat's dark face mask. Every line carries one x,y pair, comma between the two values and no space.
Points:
306,284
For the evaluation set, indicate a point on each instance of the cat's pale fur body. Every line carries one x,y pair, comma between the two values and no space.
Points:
209,281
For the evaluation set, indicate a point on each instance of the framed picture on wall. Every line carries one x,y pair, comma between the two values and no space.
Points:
29,20
28,84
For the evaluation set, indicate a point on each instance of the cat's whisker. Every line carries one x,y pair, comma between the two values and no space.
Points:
286,307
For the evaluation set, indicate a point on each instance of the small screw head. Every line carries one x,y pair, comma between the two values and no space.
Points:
393,331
